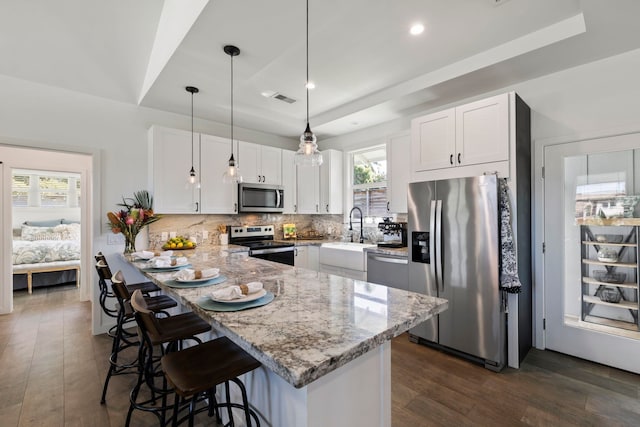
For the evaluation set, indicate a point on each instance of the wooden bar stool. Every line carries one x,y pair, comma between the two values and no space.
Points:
123,339
146,287
168,334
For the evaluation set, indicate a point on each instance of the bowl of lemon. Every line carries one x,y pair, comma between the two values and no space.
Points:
179,243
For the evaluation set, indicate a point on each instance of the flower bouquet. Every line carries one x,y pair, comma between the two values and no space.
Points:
137,213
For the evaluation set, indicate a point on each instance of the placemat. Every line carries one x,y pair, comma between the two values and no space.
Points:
206,303
164,270
213,281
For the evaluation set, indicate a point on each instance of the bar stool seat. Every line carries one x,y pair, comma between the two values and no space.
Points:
146,287
200,369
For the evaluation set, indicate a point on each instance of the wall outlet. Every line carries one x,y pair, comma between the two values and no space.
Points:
164,236
115,239
205,234
172,234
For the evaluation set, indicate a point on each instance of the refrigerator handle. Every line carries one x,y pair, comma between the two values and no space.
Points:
439,244
432,242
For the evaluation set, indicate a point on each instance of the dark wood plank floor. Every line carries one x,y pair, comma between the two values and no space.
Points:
52,368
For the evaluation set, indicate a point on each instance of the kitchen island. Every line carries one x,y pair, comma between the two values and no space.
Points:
323,341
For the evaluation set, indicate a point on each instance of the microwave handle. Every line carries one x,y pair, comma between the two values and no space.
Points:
277,198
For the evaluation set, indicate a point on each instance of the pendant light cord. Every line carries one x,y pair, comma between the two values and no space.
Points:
231,105
191,130
307,82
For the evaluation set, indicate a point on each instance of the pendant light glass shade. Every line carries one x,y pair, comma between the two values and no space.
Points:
308,154
193,178
232,175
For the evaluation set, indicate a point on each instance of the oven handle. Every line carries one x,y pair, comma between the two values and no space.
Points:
271,250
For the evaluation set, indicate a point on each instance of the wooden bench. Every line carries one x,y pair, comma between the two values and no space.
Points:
45,267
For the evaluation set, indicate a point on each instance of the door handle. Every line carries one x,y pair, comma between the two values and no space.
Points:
439,243
451,158
295,208
235,207
277,198
432,242
317,210
387,206
391,260
197,206
459,158
327,208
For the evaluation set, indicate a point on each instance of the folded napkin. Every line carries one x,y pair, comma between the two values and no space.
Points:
191,274
143,254
236,292
165,261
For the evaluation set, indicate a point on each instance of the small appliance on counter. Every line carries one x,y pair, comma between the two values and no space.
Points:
394,234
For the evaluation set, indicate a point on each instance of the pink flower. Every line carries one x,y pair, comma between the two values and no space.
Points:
129,220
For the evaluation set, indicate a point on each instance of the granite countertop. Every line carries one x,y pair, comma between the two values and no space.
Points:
316,323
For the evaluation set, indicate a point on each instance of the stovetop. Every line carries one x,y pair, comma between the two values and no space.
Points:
255,237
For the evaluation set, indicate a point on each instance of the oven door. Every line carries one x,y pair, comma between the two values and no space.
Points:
282,255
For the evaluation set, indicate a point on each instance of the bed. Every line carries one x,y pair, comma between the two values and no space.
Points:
46,255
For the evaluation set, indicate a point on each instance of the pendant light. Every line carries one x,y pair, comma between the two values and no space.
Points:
308,154
232,174
192,172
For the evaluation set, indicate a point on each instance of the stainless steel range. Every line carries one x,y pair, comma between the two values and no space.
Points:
260,241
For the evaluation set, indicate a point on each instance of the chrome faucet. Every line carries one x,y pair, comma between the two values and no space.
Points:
361,223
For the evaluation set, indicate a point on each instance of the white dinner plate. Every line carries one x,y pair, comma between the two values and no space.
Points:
202,279
170,267
250,297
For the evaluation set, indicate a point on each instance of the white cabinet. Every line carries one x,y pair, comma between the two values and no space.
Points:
308,189
473,134
260,163
331,182
398,172
169,165
307,257
289,181
216,197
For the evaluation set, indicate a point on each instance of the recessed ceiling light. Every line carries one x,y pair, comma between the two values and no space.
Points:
310,85
416,29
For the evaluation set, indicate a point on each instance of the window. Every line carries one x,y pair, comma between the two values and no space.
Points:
44,189
369,182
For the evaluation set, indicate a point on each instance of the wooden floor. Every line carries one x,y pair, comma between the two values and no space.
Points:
52,369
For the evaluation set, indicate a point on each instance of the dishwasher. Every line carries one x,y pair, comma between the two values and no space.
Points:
388,270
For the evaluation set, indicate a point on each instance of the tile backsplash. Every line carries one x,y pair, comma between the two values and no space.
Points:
194,226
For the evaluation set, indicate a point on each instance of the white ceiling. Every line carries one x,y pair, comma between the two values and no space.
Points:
366,66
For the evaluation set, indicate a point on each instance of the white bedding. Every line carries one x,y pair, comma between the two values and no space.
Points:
39,251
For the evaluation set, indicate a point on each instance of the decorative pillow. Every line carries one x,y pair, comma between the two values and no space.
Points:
47,223
68,231
39,233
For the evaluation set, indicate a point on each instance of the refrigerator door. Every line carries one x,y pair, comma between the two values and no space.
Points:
470,256
421,241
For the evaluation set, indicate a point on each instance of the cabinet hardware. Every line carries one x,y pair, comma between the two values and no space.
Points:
197,206
327,208
451,159
459,158
235,207
387,206
317,210
295,208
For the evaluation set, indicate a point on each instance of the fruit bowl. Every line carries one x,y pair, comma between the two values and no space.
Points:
179,243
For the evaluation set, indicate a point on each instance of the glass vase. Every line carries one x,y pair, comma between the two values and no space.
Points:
129,244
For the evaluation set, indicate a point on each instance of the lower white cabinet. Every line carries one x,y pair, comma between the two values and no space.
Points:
307,257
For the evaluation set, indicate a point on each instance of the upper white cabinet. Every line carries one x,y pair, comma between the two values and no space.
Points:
331,182
260,163
169,165
289,181
308,189
216,197
462,137
398,172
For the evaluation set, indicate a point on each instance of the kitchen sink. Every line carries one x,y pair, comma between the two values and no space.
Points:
345,255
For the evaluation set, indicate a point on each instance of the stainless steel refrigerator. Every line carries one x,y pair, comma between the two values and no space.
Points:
454,243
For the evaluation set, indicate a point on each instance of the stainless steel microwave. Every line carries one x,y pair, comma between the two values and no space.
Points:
260,198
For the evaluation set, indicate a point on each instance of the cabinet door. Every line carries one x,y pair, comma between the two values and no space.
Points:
301,259
398,167
308,189
313,258
170,162
289,181
249,161
331,182
216,197
482,131
433,141
271,165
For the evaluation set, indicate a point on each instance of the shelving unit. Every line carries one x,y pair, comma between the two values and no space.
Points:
622,314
